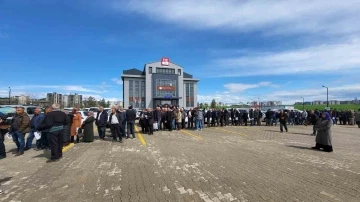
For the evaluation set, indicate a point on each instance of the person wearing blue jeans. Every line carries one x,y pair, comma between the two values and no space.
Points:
19,127
19,139
34,123
199,119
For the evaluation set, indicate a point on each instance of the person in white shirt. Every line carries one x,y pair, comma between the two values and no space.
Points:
115,125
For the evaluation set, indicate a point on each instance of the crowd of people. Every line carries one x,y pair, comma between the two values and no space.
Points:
59,128
56,128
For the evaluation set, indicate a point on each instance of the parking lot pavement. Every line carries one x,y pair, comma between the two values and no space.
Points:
215,164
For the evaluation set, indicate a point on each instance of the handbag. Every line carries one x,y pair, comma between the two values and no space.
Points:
155,126
80,132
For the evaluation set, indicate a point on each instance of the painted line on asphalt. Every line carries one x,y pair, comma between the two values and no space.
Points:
141,138
196,136
229,131
65,149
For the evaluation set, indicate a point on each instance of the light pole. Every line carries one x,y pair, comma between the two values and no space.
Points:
303,104
327,95
9,96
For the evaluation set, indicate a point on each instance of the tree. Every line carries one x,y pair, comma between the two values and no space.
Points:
107,105
206,105
213,104
102,102
90,102
201,105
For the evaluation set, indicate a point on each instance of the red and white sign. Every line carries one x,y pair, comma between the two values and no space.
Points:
166,88
165,61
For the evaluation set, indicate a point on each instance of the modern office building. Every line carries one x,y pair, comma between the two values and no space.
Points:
159,83
54,98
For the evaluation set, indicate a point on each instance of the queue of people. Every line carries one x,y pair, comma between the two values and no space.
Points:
60,128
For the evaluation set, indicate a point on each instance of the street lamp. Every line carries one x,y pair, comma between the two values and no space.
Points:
303,104
327,95
9,96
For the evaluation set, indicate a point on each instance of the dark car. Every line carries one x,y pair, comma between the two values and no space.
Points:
9,112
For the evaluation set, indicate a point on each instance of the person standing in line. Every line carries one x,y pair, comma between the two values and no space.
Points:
246,117
282,119
357,118
183,116
323,138
19,127
131,117
45,133
66,133
88,127
258,118
34,123
55,121
150,121
122,122
4,127
190,119
101,120
178,118
115,120
313,120
164,118
199,119
76,123
208,118
142,120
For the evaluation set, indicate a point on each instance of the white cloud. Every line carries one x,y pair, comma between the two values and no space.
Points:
240,87
322,59
67,88
291,16
37,95
117,81
99,97
345,92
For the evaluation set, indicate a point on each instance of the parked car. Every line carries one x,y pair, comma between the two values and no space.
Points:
83,114
30,110
9,112
95,110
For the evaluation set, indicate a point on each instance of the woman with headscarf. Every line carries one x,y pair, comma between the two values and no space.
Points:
88,127
76,123
323,138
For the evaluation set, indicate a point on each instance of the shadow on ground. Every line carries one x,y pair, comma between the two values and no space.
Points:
300,147
5,179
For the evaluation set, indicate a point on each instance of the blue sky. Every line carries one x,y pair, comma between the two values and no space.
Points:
240,50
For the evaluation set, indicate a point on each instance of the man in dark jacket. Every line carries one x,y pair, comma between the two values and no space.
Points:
115,121
34,123
55,121
3,130
100,122
131,117
268,117
313,120
19,127
282,116
123,122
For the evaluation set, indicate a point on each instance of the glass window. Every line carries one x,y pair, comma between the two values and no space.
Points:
179,72
30,110
131,92
165,70
165,88
150,70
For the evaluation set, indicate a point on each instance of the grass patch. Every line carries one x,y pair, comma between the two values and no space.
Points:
322,107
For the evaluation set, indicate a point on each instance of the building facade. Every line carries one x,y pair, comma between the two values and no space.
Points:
159,83
75,100
54,98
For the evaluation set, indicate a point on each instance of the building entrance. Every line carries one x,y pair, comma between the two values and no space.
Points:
162,102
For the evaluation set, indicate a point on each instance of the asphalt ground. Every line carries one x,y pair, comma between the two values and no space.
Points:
234,163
